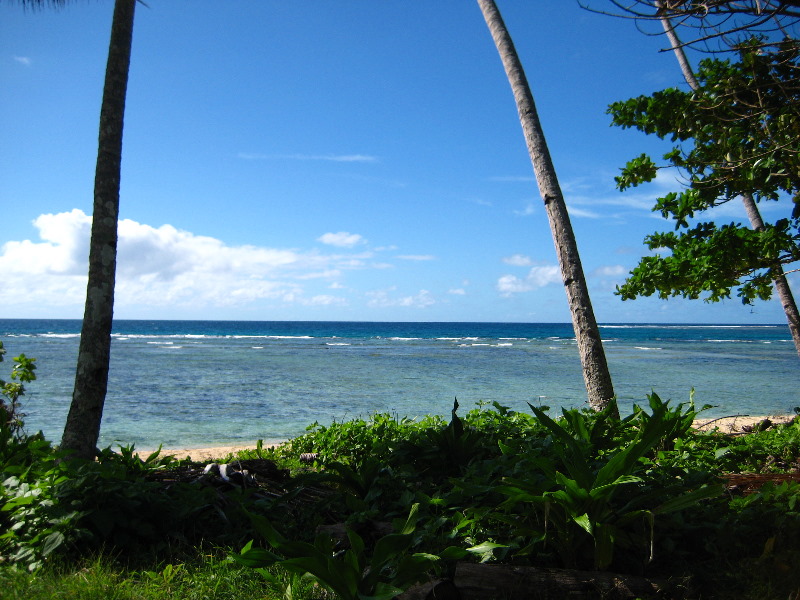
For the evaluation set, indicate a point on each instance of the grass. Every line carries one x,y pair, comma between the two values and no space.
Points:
201,577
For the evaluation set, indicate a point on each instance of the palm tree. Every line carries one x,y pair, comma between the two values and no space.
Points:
751,208
82,428
590,346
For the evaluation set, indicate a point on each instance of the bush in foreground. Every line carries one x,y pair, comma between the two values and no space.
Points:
643,495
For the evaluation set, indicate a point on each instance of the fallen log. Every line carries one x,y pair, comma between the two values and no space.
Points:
437,589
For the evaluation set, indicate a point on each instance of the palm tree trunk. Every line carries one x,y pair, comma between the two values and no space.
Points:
751,208
590,346
677,48
82,428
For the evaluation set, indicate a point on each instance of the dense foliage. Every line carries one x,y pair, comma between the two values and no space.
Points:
738,134
641,495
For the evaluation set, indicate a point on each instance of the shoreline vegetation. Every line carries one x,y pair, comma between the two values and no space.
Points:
734,424
493,501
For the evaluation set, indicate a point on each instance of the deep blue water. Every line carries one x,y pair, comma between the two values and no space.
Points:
197,383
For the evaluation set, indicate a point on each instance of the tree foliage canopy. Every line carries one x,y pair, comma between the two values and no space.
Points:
738,134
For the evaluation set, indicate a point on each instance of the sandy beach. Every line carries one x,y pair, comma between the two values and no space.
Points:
209,453
738,423
731,424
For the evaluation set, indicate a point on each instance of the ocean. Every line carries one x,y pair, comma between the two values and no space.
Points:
188,384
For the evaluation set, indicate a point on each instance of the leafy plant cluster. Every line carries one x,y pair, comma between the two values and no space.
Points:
11,419
637,495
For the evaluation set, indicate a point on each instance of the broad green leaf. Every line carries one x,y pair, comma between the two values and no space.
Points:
603,545
52,542
585,523
690,499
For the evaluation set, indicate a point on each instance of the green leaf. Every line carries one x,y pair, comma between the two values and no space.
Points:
690,499
585,523
453,553
485,550
52,542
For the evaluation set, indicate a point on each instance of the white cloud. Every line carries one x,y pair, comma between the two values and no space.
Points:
382,298
64,251
537,277
608,277
518,260
591,197
23,60
326,274
417,257
342,239
162,266
579,212
527,211
609,271
542,276
325,300
457,292
511,284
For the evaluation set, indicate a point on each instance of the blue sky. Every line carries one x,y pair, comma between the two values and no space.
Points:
319,160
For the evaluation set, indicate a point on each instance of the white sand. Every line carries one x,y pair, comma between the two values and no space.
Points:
735,424
209,453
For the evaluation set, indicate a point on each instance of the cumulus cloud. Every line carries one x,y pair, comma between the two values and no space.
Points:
63,251
518,260
160,266
457,292
342,239
537,277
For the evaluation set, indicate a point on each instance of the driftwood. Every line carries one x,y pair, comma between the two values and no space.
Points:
507,582
438,589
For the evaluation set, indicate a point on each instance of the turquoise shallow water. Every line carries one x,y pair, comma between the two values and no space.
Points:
203,383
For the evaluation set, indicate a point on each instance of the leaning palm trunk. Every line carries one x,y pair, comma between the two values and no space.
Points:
779,279
91,378
590,346
756,222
